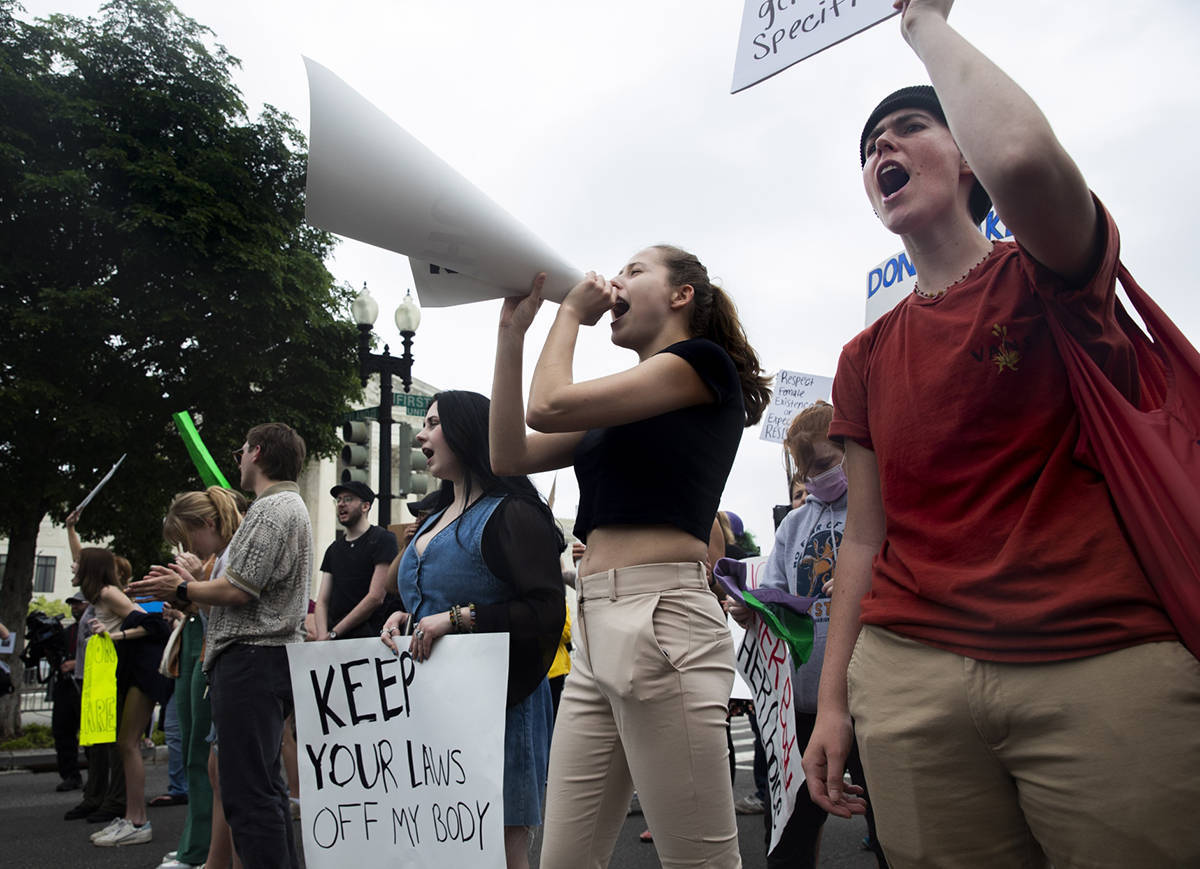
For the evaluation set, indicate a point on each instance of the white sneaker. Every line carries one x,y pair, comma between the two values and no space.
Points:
135,835
128,834
108,830
169,856
175,864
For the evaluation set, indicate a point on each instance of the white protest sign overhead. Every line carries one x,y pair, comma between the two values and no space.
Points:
401,764
777,33
792,393
369,179
764,662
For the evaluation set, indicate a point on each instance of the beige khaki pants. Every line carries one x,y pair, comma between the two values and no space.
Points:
1093,762
644,706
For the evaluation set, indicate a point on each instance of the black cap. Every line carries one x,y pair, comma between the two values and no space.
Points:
425,505
359,490
77,598
921,96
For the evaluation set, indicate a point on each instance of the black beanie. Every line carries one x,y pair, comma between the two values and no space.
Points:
921,96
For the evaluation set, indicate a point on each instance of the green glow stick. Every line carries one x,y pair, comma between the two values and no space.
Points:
793,628
201,458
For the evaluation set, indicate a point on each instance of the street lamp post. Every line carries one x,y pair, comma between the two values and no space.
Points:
408,318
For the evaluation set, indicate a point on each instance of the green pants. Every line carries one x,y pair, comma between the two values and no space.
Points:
195,720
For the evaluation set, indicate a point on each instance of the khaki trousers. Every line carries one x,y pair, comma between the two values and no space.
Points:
644,706
1093,762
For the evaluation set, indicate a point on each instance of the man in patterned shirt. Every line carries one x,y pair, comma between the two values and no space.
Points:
258,606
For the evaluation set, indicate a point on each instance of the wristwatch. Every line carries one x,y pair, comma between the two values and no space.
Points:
181,592
333,635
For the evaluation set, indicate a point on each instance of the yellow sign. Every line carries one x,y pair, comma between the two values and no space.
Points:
98,712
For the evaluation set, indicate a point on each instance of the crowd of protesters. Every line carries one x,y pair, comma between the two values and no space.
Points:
990,663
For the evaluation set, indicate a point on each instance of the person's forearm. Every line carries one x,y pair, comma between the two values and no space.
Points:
218,592
1003,135
993,120
361,612
74,543
321,615
852,582
131,634
554,371
506,419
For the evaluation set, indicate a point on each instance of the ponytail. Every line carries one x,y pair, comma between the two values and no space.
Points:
190,510
714,317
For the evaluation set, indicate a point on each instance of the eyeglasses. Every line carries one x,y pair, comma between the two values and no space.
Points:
346,499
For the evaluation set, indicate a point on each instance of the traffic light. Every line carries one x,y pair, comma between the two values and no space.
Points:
411,463
356,452
419,479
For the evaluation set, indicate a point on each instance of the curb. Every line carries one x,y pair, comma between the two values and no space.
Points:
46,760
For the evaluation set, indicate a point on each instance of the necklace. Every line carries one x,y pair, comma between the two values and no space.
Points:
924,295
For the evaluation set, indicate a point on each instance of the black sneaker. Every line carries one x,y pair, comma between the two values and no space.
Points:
69,784
80,811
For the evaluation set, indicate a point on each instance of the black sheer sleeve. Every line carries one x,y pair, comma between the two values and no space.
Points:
520,547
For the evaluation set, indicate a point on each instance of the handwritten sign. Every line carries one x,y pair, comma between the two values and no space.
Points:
763,662
98,706
371,180
793,392
401,763
754,567
778,33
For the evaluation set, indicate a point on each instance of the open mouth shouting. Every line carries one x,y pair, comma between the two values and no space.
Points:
892,178
619,309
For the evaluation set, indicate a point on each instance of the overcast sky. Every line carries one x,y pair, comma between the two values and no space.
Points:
609,126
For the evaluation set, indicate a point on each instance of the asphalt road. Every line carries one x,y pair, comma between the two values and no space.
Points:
36,836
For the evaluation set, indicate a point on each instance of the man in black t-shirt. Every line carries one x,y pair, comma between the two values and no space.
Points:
354,569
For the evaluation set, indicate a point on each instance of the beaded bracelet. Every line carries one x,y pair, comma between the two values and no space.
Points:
472,628
455,616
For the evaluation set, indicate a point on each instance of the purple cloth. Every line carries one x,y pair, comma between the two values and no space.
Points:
732,576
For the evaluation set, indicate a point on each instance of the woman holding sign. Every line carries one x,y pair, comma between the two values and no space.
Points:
1004,657
485,559
645,703
139,637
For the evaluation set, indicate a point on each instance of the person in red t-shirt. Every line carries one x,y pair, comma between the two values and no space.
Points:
1018,692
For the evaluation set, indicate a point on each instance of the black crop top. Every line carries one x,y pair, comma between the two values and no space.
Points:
669,469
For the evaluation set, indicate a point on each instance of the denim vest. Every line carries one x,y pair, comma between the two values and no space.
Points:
451,570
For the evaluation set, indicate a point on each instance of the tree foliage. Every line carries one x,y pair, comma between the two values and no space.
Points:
153,258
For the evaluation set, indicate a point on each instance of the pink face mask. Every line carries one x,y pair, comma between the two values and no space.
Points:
829,485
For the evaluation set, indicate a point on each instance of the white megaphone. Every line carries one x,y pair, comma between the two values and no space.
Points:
370,180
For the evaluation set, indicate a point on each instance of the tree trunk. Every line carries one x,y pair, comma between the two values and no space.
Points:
16,590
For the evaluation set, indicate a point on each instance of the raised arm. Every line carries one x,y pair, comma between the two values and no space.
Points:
1036,188
514,450
73,535
825,756
660,384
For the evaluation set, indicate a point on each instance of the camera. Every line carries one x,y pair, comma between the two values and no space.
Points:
45,640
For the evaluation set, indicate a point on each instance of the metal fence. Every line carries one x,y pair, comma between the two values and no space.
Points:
35,696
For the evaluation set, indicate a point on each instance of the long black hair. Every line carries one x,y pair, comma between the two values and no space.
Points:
463,416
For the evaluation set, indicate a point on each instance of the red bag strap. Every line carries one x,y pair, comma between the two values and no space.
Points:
1168,364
